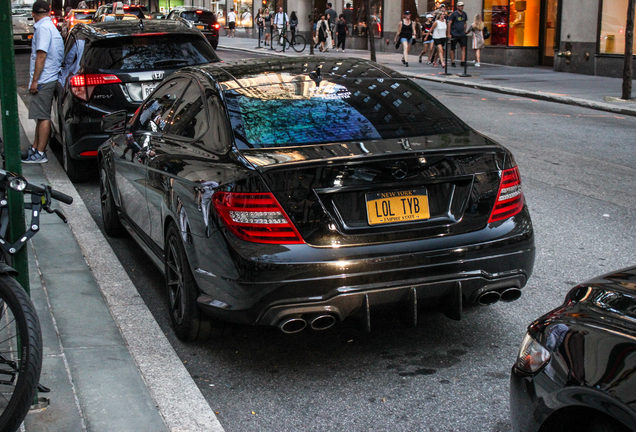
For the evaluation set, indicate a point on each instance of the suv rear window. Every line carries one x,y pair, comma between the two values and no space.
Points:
203,17
149,52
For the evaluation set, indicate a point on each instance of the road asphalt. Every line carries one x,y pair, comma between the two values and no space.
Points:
107,362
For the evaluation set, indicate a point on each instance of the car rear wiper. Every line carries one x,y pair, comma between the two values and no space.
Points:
171,62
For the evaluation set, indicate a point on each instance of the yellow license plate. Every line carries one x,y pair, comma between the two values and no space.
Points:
397,206
30,37
200,27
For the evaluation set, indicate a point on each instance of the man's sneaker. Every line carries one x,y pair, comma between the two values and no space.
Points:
30,152
453,64
36,157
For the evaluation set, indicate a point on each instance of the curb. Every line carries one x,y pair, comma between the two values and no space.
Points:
177,397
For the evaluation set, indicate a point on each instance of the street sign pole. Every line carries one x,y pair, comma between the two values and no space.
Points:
11,139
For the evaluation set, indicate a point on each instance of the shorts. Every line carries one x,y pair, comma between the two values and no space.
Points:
440,41
40,105
402,40
232,25
463,40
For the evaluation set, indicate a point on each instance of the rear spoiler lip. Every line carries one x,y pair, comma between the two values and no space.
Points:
466,143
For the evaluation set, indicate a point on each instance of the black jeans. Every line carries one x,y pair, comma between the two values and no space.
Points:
342,37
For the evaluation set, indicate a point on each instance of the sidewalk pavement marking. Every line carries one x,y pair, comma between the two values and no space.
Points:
179,400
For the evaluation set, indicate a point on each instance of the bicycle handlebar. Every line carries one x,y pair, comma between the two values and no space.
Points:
38,190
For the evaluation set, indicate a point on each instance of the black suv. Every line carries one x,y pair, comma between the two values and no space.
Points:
142,12
112,66
203,19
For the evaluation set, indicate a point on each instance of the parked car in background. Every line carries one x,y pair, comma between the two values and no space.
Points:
22,26
137,10
576,368
296,192
57,18
112,66
156,15
202,19
76,16
116,17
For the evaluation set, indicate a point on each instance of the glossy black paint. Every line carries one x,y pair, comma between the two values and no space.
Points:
345,264
209,29
592,371
76,123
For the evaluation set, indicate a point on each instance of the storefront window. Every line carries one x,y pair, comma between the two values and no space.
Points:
613,20
354,13
512,22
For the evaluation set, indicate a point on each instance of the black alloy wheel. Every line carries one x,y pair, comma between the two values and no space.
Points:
188,322
112,224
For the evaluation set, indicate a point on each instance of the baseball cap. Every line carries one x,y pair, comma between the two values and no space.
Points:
429,16
40,6
460,4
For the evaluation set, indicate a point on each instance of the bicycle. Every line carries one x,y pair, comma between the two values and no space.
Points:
297,42
20,333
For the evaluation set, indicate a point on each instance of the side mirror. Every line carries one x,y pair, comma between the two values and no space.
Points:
114,122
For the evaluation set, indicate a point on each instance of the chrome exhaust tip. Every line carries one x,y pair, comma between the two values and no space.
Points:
292,325
323,322
510,294
489,298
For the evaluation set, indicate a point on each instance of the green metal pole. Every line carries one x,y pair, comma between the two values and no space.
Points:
11,138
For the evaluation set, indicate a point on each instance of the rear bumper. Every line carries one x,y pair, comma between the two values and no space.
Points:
265,292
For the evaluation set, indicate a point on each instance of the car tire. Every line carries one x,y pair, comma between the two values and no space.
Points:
110,217
188,321
77,171
215,44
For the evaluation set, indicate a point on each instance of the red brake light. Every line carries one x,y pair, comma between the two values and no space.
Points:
510,197
72,19
126,7
199,12
255,217
217,26
82,86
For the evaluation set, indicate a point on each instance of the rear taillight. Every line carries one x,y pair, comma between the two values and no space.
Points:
510,197
82,85
216,26
255,217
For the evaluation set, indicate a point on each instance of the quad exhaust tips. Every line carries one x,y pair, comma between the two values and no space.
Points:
299,323
504,294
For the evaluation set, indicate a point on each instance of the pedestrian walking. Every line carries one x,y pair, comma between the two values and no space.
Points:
281,21
405,37
457,32
427,39
293,24
260,23
313,19
332,17
231,23
439,38
267,23
341,31
477,29
323,31
47,51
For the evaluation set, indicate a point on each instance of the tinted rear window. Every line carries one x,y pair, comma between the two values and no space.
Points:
340,111
149,52
83,16
203,17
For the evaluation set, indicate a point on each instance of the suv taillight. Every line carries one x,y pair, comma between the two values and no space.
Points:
510,197
255,217
82,85
215,25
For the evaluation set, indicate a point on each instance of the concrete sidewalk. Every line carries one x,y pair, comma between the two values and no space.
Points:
595,92
107,362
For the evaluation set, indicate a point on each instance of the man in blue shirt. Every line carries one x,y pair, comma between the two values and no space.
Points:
457,31
47,50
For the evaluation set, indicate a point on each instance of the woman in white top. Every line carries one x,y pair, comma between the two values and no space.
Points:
477,29
439,37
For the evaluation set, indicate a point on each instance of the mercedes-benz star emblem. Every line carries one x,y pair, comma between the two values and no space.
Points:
399,170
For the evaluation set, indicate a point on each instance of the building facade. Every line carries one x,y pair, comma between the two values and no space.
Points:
524,33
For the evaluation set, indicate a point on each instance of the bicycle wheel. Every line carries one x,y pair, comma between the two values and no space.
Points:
19,368
298,43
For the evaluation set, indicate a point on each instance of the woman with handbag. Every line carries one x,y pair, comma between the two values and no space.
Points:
405,37
323,33
477,29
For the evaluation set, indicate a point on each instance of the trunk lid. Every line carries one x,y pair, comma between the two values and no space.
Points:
378,191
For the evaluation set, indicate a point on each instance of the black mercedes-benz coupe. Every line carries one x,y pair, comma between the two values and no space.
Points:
576,368
297,192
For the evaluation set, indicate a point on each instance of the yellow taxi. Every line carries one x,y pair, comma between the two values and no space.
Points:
76,16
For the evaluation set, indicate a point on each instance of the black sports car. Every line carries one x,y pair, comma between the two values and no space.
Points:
576,369
296,192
